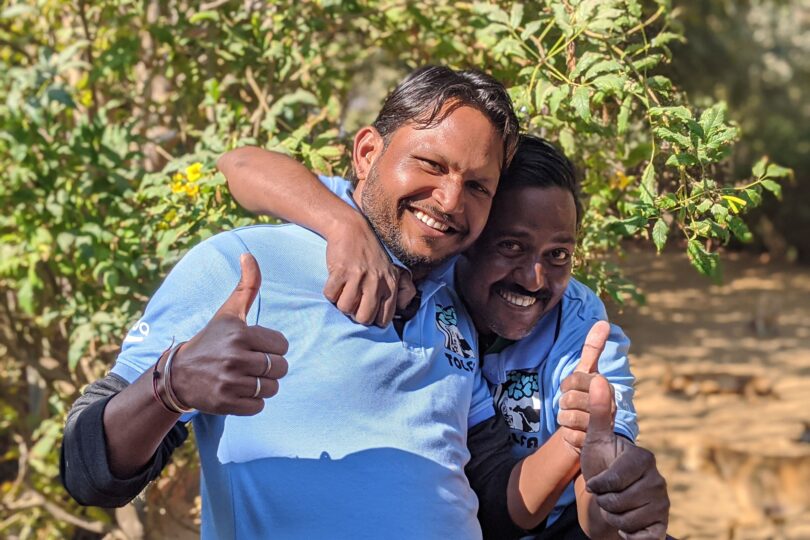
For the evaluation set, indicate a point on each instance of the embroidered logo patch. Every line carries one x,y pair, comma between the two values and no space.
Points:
518,399
446,321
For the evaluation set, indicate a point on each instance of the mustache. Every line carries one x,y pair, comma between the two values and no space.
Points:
542,295
432,210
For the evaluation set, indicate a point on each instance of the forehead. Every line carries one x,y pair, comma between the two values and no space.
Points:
535,211
465,138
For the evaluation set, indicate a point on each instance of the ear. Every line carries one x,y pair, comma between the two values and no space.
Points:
368,146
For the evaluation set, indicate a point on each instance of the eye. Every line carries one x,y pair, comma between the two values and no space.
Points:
560,256
478,187
510,246
434,166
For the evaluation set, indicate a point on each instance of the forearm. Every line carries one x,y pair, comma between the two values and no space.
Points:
265,182
538,481
590,518
84,464
133,439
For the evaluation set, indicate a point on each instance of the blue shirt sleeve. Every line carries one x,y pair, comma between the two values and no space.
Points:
186,301
340,187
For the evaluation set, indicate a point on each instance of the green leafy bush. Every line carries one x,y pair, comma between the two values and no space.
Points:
114,112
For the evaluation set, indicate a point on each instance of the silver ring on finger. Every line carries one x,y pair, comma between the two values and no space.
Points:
269,364
258,387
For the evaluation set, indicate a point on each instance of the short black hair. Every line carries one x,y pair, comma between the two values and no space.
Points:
422,95
539,163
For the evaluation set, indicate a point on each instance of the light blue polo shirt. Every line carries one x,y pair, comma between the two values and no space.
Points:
366,437
525,376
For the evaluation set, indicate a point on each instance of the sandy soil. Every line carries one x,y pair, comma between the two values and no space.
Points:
723,375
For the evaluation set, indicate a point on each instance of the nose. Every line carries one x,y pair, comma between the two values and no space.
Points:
530,276
450,195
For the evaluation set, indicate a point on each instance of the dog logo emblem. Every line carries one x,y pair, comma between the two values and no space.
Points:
446,321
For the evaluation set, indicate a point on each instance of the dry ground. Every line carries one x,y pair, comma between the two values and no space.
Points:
723,375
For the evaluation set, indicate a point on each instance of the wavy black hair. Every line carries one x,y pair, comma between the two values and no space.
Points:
539,163
421,98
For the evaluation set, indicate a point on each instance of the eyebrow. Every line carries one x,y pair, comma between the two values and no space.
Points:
562,238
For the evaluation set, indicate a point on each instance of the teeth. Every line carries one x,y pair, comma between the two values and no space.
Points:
430,222
517,299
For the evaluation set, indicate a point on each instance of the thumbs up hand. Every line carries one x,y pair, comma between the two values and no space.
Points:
574,412
629,490
230,367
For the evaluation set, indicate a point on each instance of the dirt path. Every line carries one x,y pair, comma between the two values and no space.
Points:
723,377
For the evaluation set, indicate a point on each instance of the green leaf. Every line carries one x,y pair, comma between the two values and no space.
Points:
758,170
624,114
682,160
659,234
667,134
556,98
777,171
210,15
516,16
530,30
703,206
567,142
773,187
604,66
719,212
705,262
739,229
649,187
610,83
581,103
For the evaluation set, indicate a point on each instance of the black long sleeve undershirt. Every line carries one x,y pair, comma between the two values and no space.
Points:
83,465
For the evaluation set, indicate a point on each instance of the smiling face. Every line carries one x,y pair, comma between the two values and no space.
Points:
520,267
428,191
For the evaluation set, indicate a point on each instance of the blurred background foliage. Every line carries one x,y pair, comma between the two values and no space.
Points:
112,114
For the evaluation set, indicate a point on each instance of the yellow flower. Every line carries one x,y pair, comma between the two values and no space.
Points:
177,186
194,172
192,190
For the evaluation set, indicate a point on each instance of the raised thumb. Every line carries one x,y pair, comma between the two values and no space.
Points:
239,302
600,396
594,345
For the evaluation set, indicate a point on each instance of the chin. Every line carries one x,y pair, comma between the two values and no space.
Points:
512,331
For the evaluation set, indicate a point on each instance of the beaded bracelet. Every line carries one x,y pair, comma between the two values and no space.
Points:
174,401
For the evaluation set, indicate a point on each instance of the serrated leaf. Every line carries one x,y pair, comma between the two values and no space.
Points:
584,63
705,262
682,160
739,229
649,187
581,103
568,142
773,187
624,114
703,206
665,37
713,117
530,30
556,98
667,134
603,66
758,170
647,62
753,196
610,83
777,171
659,234
516,15
719,212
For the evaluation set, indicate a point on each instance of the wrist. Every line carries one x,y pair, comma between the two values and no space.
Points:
344,223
